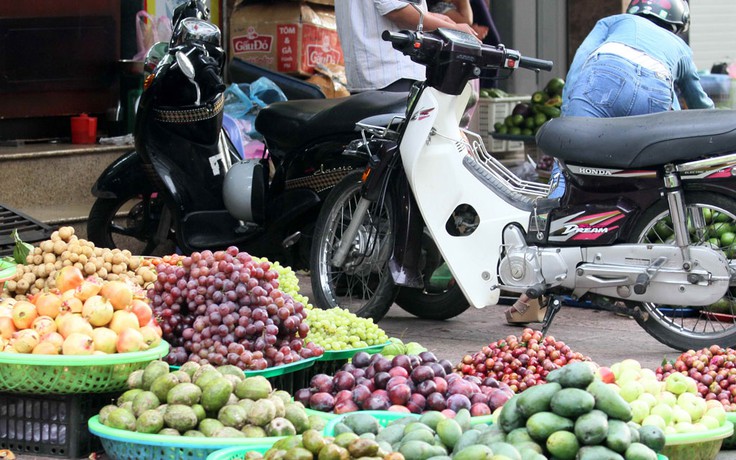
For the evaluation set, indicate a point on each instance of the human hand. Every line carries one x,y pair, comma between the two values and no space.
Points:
481,31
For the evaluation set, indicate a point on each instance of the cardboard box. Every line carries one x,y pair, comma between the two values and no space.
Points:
285,36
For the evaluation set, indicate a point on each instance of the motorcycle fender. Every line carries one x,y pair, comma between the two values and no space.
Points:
123,177
440,182
404,262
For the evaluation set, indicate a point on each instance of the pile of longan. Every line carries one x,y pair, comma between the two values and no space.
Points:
65,248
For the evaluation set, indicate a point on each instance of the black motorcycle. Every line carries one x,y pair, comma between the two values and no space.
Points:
186,188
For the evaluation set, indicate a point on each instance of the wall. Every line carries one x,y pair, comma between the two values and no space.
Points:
712,32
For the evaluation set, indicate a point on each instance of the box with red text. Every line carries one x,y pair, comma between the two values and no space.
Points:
285,36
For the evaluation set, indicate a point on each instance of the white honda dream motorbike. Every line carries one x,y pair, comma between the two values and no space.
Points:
646,223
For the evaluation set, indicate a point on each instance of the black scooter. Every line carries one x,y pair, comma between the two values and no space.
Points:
185,187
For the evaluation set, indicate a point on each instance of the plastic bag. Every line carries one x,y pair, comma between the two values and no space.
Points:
150,30
243,101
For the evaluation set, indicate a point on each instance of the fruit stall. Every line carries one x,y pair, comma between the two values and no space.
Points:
218,355
520,123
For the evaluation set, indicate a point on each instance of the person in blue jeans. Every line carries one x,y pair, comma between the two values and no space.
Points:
633,64
629,64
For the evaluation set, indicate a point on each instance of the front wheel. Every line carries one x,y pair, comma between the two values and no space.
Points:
130,222
363,283
685,328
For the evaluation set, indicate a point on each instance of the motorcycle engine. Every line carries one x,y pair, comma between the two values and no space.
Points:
244,191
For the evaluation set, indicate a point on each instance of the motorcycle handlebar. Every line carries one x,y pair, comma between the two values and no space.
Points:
508,58
535,64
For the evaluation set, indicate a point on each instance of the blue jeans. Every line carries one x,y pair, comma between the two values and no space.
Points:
611,86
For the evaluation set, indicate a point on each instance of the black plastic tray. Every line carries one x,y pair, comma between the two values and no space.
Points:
30,230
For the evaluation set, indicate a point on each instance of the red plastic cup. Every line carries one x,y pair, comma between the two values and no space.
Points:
84,129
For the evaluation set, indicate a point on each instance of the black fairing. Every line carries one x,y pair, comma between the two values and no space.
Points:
124,177
184,153
457,63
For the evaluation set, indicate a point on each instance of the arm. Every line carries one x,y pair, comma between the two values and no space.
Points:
462,13
689,83
408,18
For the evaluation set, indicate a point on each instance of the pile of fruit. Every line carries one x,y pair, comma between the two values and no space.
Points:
204,401
356,436
713,371
526,117
397,347
81,316
673,404
405,383
333,328
519,361
575,415
224,307
64,248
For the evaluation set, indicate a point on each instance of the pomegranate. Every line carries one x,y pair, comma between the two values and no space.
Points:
45,348
119,293
78,344
53,338
43,325
69,277
48,304
71,304
23,314
89,287
97,310
151,336
105,339
74,324
142,310
130,340
25,341
122,320
7,327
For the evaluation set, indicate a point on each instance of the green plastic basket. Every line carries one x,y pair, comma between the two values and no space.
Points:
59,374
385,417
702,445
283,369
129,445
730,442
332,355
7,272
234,453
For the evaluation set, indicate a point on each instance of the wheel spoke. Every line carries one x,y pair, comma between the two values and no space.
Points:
708,224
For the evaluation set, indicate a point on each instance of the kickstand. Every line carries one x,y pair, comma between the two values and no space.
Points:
553,306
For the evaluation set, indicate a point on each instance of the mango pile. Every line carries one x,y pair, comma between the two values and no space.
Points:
526,117
204,401
576,416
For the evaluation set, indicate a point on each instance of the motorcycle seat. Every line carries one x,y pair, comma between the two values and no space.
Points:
641,141
291,124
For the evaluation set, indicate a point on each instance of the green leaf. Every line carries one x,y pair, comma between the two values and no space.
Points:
21,249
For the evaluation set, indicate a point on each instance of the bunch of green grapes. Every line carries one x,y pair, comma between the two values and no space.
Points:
339,329
288,282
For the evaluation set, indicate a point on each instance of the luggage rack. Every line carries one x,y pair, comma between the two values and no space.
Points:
30,230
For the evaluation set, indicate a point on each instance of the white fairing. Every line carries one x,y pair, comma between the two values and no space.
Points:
440,183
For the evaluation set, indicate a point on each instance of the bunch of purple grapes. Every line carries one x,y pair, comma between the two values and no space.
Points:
223,307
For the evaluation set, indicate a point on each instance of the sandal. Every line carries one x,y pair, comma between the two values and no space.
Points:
525,312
